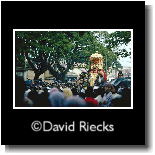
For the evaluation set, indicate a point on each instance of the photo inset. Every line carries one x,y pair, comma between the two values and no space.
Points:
73,68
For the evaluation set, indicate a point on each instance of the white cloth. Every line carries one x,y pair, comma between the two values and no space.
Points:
96,87
27,92
99,79
82,90
114,96
107,98
99,99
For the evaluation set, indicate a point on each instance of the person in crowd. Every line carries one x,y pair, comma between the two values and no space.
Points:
123,84
75,101
67,92
120,74
107,98
26,92
28,102
39,93
54,89
74,91
82,95
98,95
91,102
19,93
33,96
101,78
43,99
124,101
56,99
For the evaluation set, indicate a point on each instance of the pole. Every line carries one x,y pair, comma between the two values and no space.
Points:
106,64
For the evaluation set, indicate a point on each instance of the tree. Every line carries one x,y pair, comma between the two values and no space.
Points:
59,51
56,51
116,42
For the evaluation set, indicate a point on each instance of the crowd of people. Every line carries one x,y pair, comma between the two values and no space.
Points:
39,93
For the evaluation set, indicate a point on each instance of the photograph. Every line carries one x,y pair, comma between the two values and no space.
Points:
75,75
73,68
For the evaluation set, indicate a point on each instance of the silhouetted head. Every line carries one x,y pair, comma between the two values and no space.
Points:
19,92
75,101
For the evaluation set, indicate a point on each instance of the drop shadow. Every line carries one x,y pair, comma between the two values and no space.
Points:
148,112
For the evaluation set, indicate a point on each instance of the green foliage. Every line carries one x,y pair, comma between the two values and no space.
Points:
61,48
117,39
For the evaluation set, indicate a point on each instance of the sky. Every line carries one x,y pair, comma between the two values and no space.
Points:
125,62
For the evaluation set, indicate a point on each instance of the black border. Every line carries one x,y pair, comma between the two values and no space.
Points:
129,124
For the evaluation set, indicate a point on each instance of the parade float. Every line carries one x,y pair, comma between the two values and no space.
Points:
96,67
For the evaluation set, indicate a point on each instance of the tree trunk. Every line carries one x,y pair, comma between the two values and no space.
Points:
36,76
62,77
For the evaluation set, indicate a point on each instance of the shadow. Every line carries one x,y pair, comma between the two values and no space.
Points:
148,76
77,148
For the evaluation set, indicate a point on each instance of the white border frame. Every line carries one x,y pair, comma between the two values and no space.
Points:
72,107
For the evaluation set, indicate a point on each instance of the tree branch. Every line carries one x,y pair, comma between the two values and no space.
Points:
30,62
